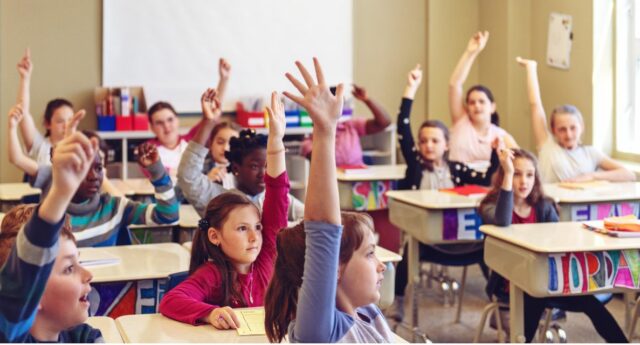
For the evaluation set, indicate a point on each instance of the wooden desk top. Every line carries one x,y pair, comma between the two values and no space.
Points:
375,173
107,327
433,199
608,192
15,191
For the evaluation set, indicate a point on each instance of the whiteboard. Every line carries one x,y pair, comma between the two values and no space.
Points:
172,47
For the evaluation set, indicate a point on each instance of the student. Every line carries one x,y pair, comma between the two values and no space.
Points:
247,157
101,219
428,167
216,165
348,147
165,124
43,288
474,123
234,248
57,113
562,156
517,198
342,275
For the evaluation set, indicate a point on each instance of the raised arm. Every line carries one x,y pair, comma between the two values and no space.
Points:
17,157
224,71
500,213
27,126
381,118
538,117
405,135
611,171
321,203
461,72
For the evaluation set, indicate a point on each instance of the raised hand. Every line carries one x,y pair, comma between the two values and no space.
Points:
526,62
477,42
415,77
15,116
506,161
25,67
71,159
360,93
324,108
224,68
72,125
210,105
277,122
147,154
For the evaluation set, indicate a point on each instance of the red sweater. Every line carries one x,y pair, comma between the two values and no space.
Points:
200,293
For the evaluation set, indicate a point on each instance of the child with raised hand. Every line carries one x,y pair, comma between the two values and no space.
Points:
234,248
562,156
165,124
43,288
474,119
428,167
216,165
101,219
247,156
517,198
348,133
335,252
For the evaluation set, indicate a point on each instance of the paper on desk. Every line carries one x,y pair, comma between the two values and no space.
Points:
97,258
251,321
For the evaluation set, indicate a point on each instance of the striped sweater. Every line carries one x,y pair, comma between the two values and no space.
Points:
22,282
104,219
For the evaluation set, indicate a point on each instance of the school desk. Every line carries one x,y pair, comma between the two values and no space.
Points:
432,217
559,259
12,193
155,328
122,186
131,279
364,190
107,327
596,202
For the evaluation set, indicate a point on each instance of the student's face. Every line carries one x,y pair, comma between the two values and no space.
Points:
91,184
240,238
432,143
480,107
523,177
567,130
220,144
360,279
64,303
250,174
165,124
58,122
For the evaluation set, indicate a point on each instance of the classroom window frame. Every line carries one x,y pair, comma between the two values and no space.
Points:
627,80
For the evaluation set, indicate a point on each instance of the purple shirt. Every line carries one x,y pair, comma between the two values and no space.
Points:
348,147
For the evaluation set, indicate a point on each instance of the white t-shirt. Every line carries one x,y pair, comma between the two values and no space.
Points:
558,164
467,146
171,158
41,149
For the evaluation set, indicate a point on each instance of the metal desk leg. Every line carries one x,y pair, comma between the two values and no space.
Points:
516,307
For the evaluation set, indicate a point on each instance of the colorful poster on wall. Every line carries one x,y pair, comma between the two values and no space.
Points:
461,224
370,195
126,298
580,213
593,271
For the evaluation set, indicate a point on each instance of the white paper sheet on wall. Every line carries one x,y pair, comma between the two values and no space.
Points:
559,40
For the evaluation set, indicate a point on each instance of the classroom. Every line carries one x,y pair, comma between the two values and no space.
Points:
450,171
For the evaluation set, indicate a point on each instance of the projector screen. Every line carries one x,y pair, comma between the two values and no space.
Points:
172,47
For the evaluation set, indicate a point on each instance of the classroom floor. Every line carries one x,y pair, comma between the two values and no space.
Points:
436,320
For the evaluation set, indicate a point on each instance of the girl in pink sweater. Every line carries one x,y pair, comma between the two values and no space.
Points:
235,247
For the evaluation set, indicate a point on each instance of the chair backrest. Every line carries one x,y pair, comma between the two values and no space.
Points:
174,279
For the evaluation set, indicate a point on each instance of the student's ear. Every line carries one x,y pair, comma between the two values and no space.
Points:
213,236
234,168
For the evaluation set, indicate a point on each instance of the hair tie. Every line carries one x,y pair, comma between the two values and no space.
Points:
203,224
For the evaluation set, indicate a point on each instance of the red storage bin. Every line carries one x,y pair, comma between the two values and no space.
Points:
250,119
124,123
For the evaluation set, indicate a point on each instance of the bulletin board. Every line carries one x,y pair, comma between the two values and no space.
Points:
172,47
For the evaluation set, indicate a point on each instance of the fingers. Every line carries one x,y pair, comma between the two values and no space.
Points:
297,84
319,73
227,319
72,125
298,100
234,318
340,91
305,74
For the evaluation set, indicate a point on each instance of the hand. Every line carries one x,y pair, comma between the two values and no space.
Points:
25,67
71,159
71,126
526,62
360,93
217,174
478,42
324,108
224,68
581,178
498,144
277,121
15,116
210,105
415,77
506,161
147,154
224,318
